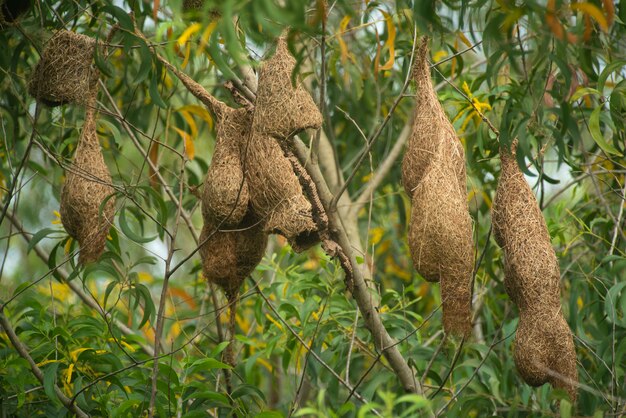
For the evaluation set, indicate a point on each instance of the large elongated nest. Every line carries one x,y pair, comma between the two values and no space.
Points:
430,126
87,185
276,194
282,109
65,74
225,195
544,347
440,239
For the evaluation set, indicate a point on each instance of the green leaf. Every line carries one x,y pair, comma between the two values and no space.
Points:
617,65
39,236
154,93
128,231
121,16
583,92
49,378
596,133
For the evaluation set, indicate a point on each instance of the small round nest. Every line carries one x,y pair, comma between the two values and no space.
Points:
87,185
65,74
544,346
282,109
225,195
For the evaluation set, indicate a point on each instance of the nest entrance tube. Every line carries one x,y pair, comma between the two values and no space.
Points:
65,74
544,348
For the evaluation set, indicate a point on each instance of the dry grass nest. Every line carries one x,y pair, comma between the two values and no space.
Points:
282,109
225,195
65,74
87,185
440,230
544,347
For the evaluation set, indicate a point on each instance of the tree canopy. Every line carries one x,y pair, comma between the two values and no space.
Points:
346,328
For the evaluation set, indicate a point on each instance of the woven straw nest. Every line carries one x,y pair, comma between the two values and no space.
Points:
543,340
225,196
440,230
276,194
229,256
440,239
87,185
12,10
65,74
282,109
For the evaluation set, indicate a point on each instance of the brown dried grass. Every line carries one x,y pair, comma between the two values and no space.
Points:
225,195
433,174
440,238
276,194
65,74
543,341
282,109
86,186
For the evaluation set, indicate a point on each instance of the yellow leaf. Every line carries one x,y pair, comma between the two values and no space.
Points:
187,55
188,33
68,245
57,218
342,44
204,39
192,123
464,39
187,142
70,369
199,111
273,321
391,39
439,55
74,354
593,11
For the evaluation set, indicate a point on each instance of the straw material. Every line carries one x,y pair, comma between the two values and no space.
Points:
433,174
86,186
228,257
12,10
543,340
64,73
283,110
276,194
225,196
440,238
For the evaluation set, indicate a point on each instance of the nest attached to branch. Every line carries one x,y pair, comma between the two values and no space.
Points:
225,196
440,239
282,109
87,185
543,341
433,175
276,194
65,74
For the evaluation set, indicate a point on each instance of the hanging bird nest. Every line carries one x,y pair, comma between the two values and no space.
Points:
65,74
225,195
282,109
276,194
433,175
87,185
440,239
544,347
